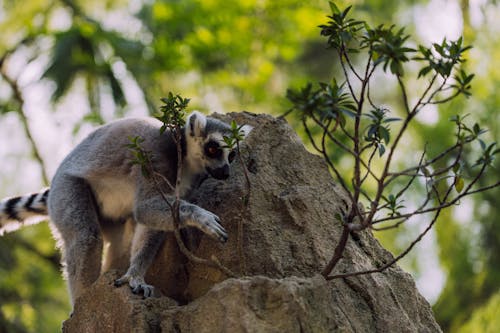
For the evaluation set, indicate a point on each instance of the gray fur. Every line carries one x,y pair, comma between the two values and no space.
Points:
99,196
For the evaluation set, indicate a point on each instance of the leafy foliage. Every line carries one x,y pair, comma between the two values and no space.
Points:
328,102
172,115
140,157
323,107
341,30
486,320
235,137
173,112
78,51
442,58
378,132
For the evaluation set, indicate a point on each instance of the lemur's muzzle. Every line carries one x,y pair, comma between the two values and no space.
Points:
219,173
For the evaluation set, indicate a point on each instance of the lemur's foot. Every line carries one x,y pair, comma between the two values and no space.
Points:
137,284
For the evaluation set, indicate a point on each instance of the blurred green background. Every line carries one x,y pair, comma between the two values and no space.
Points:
67,66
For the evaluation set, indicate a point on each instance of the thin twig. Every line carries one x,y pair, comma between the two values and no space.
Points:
346,56
468,191
348,227
409,171
339,250
404,94
176,215
426,91
436,91
338,143
393,261
447,99
368,168
407,186
340,179
403,218
331,137
175,208
24,121
241,252
401,255
347,77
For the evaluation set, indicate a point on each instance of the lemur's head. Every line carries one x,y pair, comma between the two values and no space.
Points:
206,150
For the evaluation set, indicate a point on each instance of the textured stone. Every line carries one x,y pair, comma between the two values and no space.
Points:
289,233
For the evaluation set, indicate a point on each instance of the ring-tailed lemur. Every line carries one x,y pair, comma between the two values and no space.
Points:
99,195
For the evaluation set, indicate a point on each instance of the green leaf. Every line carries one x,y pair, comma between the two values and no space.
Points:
334,8
424,71
384,134
476,128
459,184
381,149
340,217
482,144
371,131
490,148
390,120
344,14
348,113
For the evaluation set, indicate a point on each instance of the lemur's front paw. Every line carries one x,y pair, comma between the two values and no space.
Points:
207,222
137,284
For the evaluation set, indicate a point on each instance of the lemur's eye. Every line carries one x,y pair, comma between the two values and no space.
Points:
231,156
212,150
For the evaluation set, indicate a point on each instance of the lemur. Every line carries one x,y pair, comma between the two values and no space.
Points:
98,194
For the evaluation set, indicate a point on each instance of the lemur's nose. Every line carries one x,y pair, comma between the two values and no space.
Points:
220,173
225,171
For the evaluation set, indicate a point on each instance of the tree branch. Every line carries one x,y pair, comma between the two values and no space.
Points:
393,261
18,96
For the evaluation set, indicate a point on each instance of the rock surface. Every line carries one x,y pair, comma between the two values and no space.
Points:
289,233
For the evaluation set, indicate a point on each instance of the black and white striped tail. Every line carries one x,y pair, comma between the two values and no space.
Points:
23,210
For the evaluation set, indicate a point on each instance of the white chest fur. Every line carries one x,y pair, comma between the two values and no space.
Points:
114,196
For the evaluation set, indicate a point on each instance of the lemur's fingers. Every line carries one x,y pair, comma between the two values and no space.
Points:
146,289
219,232
121,281
209,223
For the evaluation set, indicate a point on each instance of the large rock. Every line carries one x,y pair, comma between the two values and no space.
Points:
289,233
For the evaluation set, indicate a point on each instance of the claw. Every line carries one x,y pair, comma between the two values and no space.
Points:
148,292
136,284
207,222
119,282
145,289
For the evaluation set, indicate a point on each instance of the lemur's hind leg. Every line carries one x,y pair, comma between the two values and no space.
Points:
117,236
73,211
145,246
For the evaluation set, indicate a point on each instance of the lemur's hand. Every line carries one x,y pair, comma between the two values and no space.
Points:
209,223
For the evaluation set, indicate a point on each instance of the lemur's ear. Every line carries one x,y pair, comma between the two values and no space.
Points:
196,124
246,129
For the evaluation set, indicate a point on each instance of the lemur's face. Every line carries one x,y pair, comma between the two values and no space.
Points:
206,150
217,156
